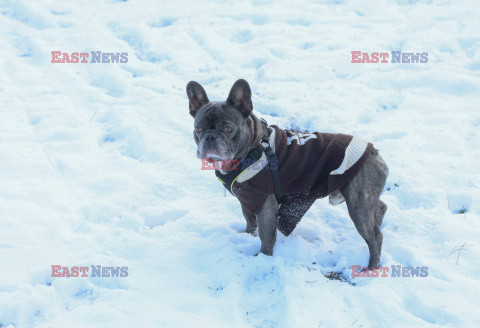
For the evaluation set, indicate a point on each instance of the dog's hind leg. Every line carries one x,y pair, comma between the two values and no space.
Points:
363,216
364,206
380,212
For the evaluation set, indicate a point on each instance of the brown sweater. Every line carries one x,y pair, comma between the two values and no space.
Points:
311,166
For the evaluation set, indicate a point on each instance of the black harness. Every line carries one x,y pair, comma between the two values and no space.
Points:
252,157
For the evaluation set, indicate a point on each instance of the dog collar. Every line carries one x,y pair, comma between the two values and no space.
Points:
252,158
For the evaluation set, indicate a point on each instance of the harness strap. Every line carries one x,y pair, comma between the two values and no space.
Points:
273,167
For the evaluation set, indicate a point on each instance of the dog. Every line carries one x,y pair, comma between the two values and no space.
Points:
277,174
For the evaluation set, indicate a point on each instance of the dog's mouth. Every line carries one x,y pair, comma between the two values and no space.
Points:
213,152
214,156
211,158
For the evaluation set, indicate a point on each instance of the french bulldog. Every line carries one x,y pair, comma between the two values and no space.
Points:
228,130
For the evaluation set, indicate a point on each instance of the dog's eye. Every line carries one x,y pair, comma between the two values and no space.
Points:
228,128
198,129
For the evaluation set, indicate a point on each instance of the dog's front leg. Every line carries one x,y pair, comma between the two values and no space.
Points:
267,225
251,221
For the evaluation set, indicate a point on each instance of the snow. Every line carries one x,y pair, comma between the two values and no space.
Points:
99,166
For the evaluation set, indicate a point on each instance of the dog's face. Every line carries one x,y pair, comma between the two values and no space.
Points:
220,127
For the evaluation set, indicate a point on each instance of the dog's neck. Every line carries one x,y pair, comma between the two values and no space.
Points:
258,131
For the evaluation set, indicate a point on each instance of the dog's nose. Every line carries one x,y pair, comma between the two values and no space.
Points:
210,136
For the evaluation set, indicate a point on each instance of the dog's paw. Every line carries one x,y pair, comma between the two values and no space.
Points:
265,252
251,231
374,262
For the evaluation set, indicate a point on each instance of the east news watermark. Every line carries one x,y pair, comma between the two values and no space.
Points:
393,57
395,272
92,57
59,271
235,164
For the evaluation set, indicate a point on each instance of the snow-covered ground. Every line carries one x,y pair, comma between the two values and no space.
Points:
98,165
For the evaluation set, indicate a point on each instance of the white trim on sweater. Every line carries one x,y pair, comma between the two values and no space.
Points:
356,148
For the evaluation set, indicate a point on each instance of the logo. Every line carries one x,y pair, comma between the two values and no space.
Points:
97,271
235,164
301,138
82,57
397,57
397,271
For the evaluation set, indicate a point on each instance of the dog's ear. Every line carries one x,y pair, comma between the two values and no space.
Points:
197,97
240,97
